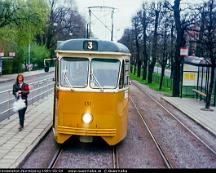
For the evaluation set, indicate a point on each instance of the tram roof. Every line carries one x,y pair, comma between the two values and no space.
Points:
98,46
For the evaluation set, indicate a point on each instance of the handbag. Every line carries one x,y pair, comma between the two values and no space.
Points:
18,105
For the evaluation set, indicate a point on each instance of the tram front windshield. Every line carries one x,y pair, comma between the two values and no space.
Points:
74,72
104,73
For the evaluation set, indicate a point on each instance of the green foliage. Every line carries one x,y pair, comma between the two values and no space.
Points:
25,20
154,85
8,68
17,62
30,18
37,55
36,17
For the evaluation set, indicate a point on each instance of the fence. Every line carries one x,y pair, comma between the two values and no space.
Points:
40,89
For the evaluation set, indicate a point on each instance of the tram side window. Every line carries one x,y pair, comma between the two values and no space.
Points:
74,72
121,81
126,72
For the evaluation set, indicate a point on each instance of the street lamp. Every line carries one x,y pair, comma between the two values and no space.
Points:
29,55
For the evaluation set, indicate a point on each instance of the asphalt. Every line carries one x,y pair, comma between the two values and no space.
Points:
15,145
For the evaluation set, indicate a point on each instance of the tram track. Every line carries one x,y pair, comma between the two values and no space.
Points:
166,158
159,148
55,158
83,156
115,158
179,121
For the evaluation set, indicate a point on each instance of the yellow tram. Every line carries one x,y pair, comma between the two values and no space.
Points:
91,90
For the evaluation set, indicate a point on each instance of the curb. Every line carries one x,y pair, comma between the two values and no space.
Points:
192,117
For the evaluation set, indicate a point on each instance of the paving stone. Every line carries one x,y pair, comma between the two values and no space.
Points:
14,145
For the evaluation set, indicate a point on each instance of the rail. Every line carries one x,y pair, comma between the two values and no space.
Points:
39,90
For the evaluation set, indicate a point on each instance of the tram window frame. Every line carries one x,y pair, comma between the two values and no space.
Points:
91,77
61,70
57,72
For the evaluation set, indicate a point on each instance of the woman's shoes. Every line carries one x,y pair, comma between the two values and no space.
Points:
20,128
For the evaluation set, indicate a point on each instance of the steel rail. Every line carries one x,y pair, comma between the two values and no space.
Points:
152,136
115,158
55,158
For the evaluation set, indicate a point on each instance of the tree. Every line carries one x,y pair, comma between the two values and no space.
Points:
144,22
26,20
180,42
64,23
156,8
135,22
127,40
9,11
165,24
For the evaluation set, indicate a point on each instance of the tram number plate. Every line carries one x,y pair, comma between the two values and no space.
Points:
87,103
90,45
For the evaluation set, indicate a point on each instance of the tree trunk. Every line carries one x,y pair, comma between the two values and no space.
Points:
145,55
131,67
139,63
150,74
154,49
162,76
171,51
208,97
144,74
180,42
176,80
135,66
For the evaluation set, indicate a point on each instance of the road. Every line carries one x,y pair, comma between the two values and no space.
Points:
158,70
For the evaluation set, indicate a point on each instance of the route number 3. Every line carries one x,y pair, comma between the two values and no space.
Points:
90,45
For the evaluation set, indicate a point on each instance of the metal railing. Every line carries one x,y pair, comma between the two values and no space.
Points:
39,90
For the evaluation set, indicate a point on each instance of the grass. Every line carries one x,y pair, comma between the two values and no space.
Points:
154,85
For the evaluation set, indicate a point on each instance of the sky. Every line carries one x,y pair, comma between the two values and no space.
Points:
124,11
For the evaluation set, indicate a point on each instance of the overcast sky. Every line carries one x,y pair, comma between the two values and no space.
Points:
125,10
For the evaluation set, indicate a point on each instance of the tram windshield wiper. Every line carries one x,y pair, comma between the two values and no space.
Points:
66,78
96,81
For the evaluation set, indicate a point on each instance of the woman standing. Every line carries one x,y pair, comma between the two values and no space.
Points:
21,90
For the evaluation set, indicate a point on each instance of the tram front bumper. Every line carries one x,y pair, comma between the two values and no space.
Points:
86,131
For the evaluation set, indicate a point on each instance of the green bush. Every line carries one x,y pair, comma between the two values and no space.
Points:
7,66
154,85
37,54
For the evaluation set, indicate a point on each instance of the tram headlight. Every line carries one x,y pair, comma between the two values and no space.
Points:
87,118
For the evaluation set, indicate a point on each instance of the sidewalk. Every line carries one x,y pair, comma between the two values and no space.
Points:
192,108
12,77
15,145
